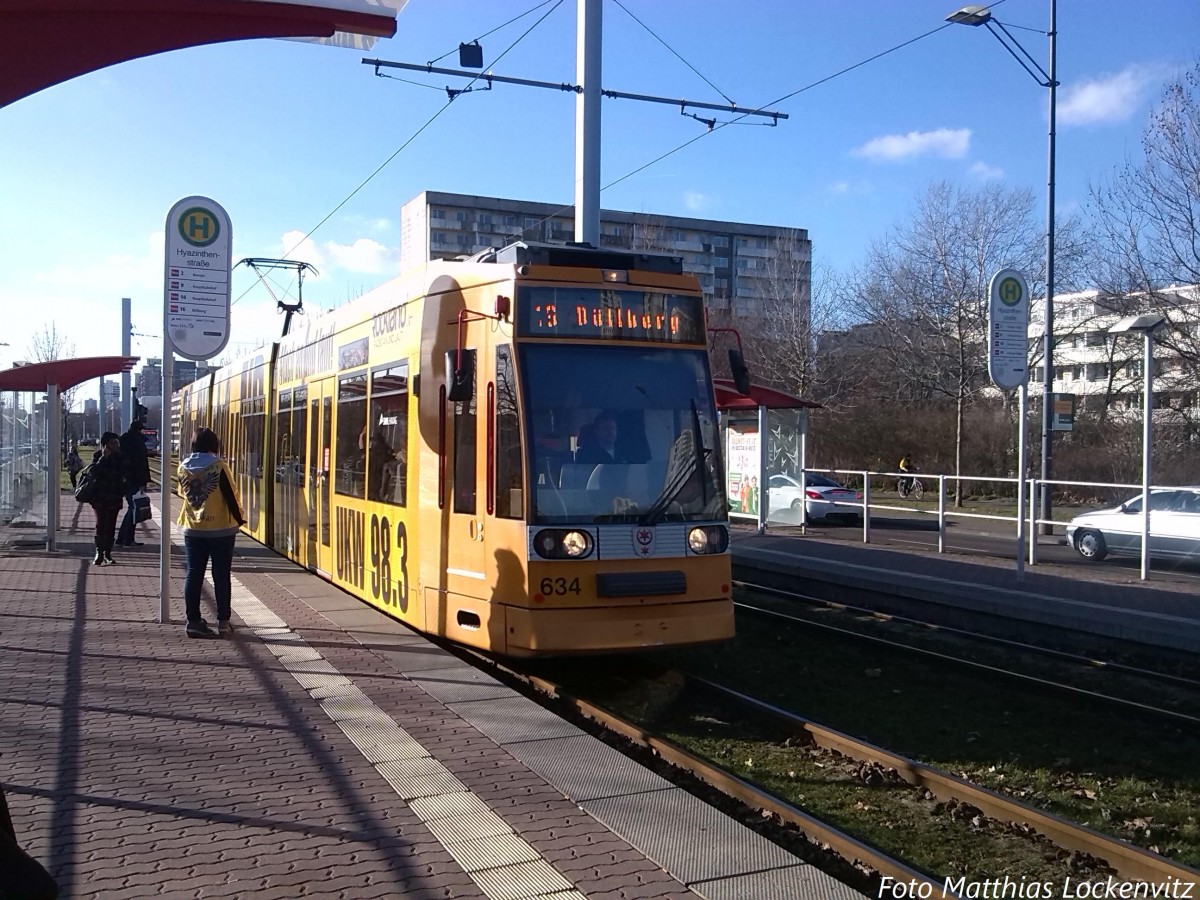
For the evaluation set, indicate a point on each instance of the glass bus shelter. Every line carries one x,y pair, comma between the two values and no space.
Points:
32,446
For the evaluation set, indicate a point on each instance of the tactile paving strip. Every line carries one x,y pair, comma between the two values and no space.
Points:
500,862
709,848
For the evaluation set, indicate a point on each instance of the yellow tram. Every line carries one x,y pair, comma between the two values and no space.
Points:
518,452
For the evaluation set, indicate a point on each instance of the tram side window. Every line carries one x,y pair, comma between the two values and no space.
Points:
350,474
464,451
387,451
283,437
253,415
509,471
299,427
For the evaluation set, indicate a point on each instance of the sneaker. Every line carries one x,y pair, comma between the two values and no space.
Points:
108,560
200,630
224,626
99,560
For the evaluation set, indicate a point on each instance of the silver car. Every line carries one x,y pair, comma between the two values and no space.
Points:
1174,526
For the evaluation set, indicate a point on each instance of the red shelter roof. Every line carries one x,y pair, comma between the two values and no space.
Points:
44,42
66,373
728,398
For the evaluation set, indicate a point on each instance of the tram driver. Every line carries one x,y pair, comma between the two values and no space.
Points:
598,444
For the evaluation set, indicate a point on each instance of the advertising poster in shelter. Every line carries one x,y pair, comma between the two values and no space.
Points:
742,463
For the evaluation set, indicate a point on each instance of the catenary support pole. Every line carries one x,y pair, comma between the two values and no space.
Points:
1048,331
587,121
126,349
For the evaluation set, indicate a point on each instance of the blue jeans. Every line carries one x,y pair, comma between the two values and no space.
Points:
197,552
128,525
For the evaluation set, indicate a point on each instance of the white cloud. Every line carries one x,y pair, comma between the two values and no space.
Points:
695,201
364,255
1109,98
947,143
985,172
848,188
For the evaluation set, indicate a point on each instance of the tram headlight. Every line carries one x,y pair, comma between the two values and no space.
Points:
555,543
708,539
574,544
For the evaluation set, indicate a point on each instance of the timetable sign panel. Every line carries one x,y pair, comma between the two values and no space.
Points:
196,279
1008,329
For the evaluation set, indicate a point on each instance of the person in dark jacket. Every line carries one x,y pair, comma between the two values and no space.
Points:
137,475
20,874
108,475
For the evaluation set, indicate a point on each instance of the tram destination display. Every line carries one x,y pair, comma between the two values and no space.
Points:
618,315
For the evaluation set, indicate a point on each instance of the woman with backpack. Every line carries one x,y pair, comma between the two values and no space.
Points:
103,487
210,517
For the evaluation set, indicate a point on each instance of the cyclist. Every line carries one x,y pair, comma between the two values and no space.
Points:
906,466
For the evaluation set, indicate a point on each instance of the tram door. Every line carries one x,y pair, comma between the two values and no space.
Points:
467,557
320,476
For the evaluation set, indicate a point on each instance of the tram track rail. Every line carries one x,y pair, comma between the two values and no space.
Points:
1046,652
863,858
1125,859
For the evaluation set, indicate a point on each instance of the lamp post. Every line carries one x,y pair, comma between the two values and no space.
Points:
1145,324
976,15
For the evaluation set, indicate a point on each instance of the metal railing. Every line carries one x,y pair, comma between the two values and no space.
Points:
1025,523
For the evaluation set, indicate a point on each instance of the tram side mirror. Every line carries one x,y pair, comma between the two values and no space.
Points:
741,375
460,375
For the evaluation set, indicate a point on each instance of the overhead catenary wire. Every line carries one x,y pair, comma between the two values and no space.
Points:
411,138
712,130
728,99
718,126
493,31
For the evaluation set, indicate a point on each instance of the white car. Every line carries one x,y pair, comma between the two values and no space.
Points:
823,498
1174,527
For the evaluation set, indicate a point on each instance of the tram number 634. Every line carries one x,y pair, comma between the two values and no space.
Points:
553,586
381,563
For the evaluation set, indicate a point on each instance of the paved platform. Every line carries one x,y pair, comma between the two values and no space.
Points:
1101,600
321,751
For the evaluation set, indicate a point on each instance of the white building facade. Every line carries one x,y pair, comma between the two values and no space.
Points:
1104,370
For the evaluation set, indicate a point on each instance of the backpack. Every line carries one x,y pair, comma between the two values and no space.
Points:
85,484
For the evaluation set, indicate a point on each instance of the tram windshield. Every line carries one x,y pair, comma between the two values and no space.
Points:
621,434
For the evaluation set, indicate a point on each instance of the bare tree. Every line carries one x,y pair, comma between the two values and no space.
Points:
801,308
49,345
1147,220
925,291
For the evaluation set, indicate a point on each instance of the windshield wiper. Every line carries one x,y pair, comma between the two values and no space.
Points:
681,466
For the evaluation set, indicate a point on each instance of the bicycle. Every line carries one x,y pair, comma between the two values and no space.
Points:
910,485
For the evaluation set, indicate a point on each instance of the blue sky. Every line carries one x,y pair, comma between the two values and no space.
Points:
281,133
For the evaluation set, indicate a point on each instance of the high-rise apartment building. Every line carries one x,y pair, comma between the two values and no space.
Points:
740,266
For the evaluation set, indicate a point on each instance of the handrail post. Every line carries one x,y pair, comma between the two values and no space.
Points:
1033,536
941,514
866,507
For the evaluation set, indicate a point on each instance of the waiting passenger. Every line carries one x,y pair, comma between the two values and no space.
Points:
210,517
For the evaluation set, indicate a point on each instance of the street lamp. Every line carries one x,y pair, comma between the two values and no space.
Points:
976,15
1146,324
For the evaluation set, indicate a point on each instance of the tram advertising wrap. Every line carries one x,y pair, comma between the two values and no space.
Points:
517,452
